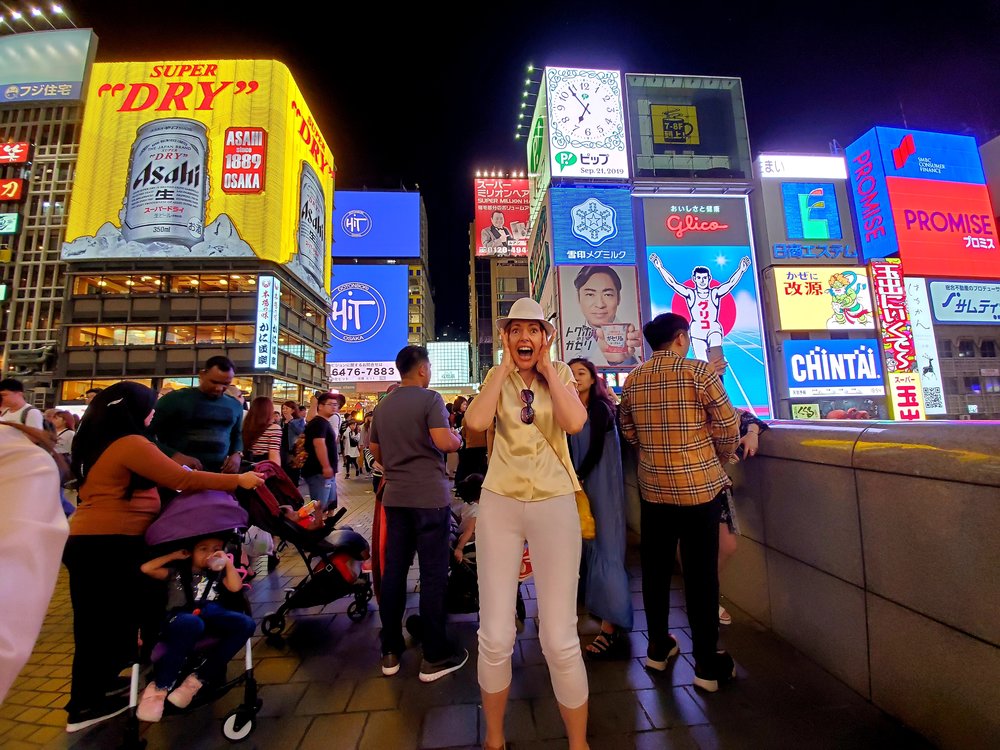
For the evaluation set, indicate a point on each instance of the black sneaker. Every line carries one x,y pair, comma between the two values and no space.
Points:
436,670
390,664
87,717
657,657
709,677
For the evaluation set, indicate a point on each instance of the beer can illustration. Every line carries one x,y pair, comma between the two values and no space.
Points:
167,190
312,225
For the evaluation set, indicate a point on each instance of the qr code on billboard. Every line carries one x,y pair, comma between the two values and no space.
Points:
933,399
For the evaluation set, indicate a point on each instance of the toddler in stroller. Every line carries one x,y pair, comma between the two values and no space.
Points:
207,619
194,612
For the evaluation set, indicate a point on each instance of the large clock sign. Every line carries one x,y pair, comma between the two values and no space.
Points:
586,123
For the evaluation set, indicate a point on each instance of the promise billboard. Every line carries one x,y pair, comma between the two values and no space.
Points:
202,159
923,195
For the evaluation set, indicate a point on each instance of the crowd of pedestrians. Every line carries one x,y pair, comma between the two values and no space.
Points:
539,450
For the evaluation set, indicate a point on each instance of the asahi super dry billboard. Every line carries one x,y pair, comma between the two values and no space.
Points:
202,159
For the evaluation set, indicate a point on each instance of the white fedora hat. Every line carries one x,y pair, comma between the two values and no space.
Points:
526,309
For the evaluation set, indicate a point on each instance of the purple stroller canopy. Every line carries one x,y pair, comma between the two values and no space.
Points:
196,514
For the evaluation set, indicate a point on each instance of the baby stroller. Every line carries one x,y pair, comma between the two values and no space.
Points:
188,517
333,556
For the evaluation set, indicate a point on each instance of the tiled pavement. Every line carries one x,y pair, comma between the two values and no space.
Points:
323,690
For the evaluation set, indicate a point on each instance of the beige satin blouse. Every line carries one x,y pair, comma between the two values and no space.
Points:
523,465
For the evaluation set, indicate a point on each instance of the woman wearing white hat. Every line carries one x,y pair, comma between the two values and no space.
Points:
528,495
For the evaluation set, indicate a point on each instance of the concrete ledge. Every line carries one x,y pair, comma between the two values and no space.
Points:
822,616
942,683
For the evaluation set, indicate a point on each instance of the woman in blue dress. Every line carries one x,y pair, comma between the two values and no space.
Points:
598,461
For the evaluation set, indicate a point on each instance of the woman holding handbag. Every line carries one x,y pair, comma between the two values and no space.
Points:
529,495
597,457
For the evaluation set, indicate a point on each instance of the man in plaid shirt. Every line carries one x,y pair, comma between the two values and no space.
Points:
676,412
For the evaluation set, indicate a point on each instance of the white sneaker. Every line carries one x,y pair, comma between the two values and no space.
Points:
151,704
724,617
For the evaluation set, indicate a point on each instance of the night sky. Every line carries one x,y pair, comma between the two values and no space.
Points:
425,97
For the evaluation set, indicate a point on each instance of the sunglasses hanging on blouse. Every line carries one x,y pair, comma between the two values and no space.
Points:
527,413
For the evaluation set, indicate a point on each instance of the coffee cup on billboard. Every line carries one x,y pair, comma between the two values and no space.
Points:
615,338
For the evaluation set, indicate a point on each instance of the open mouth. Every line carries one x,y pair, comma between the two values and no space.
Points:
525,352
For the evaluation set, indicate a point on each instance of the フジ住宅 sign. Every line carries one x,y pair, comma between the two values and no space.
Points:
45,66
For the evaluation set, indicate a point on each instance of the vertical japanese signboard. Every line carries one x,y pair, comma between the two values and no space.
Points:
918,306
906,399
268,308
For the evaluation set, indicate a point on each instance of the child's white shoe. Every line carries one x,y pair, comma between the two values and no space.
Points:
151,704
184,693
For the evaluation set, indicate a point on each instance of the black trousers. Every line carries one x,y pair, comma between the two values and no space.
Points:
424,531
111,599
696,528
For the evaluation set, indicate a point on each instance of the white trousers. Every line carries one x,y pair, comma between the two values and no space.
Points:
552,530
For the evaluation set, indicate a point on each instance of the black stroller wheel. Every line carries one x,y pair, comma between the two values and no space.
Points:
238,718
358,610
272,624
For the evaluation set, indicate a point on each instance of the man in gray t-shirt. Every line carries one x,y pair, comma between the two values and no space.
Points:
410,437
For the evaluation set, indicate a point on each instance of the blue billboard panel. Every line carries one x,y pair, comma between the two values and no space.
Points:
930,156
834,368
965,302
700,264
876,227
368,322
592,226
45,66
368,224
811,211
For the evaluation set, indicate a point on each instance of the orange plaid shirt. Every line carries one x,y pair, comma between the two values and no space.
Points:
677,413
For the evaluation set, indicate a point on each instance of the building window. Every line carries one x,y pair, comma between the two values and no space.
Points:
944,348
972,385
180,335
966,348
282,390
184,283
175,384
991,384
135,336
951,386
988,348
74,390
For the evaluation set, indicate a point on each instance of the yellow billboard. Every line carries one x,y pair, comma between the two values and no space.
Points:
675,125
202,159
814,298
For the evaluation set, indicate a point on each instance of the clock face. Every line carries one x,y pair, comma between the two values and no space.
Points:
586,111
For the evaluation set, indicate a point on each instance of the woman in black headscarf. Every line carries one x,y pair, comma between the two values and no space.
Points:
119,470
